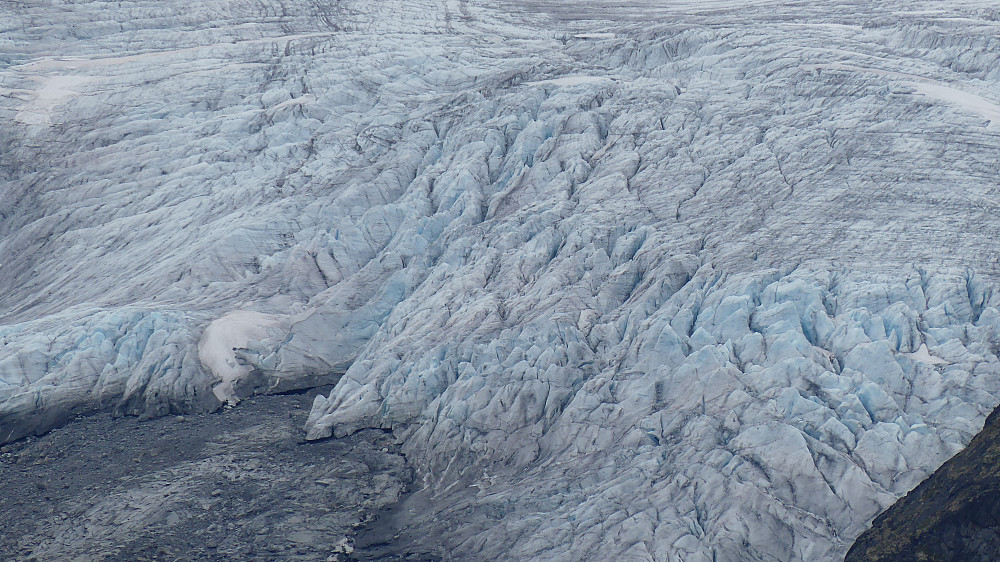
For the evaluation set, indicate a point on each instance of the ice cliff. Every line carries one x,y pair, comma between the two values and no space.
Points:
693,281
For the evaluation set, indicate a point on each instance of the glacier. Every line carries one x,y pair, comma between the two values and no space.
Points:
647,280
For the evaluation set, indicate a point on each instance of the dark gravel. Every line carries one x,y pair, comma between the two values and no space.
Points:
234,485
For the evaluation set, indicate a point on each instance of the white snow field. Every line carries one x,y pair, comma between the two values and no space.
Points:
631,281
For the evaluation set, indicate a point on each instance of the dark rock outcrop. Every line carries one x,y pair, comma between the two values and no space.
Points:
952,515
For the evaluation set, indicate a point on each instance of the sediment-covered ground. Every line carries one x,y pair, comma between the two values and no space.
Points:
234,485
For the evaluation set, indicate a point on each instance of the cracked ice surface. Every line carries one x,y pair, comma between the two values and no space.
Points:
653,281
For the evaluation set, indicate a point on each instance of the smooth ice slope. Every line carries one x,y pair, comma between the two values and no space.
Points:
631,282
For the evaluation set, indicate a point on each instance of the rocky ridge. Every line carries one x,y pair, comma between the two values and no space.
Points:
950,516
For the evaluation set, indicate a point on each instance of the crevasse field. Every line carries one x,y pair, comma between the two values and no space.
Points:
660,280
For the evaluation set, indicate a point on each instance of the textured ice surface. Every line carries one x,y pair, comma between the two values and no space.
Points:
655,280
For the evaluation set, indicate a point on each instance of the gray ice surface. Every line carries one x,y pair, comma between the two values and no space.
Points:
675,280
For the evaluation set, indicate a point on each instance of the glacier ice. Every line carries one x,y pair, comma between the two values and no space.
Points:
717,281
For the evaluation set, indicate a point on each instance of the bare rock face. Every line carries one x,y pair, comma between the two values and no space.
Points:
697,280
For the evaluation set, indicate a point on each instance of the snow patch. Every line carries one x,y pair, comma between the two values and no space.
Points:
223,336
956,95
924,355
53,92
961,99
